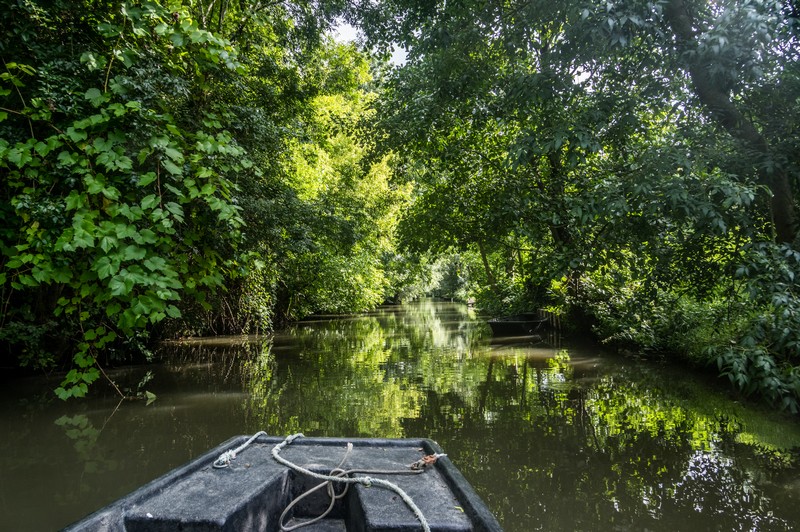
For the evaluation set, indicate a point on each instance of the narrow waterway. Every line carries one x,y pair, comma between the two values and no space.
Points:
553,435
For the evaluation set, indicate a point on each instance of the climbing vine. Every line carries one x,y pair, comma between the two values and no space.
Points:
119,202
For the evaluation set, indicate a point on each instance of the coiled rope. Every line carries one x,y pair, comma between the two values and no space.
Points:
335,472
341,476
337,475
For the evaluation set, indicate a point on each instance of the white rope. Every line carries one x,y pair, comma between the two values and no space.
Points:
341,477
225,458
337,472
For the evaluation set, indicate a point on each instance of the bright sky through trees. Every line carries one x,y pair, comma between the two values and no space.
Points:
345,32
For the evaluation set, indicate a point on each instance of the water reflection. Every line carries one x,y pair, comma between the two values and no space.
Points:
554,437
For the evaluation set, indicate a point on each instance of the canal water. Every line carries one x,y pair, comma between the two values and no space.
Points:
554,435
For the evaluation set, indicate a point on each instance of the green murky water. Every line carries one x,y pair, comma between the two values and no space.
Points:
552,437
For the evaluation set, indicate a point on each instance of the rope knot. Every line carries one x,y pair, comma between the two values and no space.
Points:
426,461
225,459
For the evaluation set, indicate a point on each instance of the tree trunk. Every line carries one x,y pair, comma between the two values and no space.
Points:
489,274
723,110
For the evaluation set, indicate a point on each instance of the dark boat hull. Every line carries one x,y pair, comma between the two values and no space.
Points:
254,489
514,326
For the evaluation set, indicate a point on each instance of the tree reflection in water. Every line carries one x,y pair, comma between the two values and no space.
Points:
554,437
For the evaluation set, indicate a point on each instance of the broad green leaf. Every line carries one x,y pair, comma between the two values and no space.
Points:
155,264
171,167
146,179
92,61
151,397
133,252
106,267
174,154
76,135
108,242
20,156
96,96
109,30
148,202
120,285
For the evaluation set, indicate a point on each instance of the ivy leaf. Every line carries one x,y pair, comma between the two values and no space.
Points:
111,193
109,30
146,179
133,252
19,156
41,275
96,97
82,239
155,264
94,184
120,286
108,242
151,397
62,275
92,61
174,154
171,167
148,202
62,393
105,267
76,135
66,158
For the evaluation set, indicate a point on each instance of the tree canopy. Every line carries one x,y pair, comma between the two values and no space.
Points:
181,168
623,158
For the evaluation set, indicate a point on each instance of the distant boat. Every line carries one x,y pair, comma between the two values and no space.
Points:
265,483
516,325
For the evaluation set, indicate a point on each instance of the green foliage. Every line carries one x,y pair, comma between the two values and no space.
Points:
748,330
347,204
451,277
764,356
32,343
623,158
217,167
409,277
116,203
182,169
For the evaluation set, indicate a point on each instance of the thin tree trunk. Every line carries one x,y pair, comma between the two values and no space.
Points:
486,267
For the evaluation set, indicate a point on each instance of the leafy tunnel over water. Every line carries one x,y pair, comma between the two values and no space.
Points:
554,436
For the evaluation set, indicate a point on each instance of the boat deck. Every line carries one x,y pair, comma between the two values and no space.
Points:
253,491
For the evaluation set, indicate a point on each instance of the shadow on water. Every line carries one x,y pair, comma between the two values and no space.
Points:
554,436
